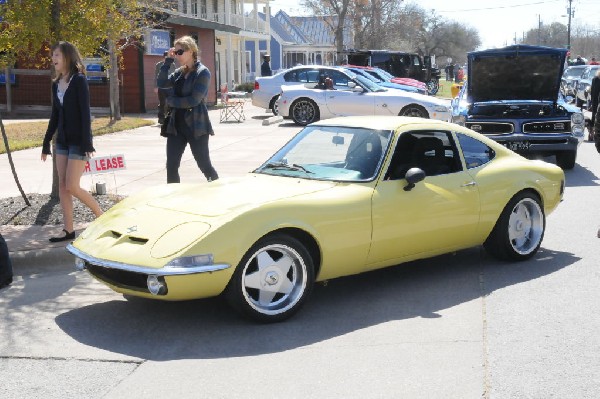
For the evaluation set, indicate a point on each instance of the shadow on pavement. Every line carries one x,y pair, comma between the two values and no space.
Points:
202,329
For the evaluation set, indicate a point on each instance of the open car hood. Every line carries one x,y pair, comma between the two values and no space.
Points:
515,73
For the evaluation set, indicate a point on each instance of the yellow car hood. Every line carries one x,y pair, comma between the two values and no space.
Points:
230,195
177,215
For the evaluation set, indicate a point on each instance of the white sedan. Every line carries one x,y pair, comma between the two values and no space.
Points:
355,95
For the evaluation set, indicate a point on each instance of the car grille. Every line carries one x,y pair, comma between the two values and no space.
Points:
491,127
120,278
547,127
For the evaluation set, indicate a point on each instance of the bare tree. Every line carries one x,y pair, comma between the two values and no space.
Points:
12,164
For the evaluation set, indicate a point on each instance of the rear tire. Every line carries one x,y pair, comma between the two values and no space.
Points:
433,85
273,105
304,111
566,159
519,231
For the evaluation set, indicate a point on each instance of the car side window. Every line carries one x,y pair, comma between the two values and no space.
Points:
302,76
339,79
432,151
474,151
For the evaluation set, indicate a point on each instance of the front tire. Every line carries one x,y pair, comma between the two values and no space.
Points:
519,231
414,110
566,159
304,111
273,279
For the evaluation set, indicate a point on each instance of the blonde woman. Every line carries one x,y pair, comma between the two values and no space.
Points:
186,91
70,120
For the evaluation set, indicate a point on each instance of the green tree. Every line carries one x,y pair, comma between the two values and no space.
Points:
29,31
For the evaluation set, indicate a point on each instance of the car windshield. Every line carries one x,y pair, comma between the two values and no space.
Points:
573,72
369,84
332,153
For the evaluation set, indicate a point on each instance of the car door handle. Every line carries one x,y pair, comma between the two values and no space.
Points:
471,183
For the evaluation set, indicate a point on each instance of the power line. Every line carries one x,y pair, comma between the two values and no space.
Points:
499,7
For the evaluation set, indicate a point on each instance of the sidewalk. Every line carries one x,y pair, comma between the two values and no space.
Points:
235,149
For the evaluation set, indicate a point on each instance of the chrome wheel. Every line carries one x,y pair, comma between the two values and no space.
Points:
519,230
414,110
433,85
304,111
525,226
273,279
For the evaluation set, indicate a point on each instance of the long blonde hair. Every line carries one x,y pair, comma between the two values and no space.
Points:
187,43
72,58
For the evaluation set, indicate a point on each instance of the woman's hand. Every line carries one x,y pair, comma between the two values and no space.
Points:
90,154
171,52
43,157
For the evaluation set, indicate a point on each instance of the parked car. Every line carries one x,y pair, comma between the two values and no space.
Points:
401,64
570,78
267,88
344,196
582,94
384,76
355,95
512,95
381,82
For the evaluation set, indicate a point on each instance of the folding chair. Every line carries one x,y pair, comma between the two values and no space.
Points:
232,108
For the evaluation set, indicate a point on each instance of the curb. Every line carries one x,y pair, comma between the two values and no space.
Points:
272,120
41,260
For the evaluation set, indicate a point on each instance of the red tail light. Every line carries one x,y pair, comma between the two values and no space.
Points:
256,85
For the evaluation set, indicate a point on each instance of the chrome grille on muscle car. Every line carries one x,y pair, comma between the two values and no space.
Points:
547,127
491,127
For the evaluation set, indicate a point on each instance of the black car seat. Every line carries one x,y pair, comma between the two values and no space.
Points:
430,156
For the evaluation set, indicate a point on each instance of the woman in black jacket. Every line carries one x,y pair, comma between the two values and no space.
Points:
71,120
186,91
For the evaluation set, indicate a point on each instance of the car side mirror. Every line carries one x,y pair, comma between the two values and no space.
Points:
351,85
413,176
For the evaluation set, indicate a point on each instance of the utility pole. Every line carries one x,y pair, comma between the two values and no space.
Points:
570,10
539,29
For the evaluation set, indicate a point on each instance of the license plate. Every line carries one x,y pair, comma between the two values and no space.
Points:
517,145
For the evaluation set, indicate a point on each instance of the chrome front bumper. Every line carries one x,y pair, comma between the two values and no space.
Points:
164,271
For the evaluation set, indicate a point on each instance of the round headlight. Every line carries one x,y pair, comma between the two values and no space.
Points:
577,118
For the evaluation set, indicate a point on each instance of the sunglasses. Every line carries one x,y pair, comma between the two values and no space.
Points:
179,52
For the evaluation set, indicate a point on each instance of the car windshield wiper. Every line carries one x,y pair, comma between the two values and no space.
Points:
281,165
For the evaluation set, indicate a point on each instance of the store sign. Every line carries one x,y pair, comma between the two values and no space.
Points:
13,78
157,41
95,66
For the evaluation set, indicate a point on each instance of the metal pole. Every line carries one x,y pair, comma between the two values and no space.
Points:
569,26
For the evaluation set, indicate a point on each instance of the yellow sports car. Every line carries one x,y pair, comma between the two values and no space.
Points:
344,196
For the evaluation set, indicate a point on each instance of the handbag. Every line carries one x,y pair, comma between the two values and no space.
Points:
165,125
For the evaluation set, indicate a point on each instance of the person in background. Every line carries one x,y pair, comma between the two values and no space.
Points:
187,88
71,121
594,62
6,271
578,61
162,109
594,97
265,68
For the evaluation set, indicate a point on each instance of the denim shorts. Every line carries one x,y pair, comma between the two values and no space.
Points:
71,151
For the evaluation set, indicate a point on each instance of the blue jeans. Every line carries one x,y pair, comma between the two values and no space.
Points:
71,151
6,270
199,146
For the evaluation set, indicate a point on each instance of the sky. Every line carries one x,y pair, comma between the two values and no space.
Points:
498,21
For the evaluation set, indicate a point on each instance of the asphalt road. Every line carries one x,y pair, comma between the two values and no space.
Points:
457,326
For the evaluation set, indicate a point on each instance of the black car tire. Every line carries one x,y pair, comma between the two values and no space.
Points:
414,110
433,85
304,111
566,159
273,279
519,231
273,105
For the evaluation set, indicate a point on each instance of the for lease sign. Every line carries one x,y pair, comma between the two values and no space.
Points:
107,164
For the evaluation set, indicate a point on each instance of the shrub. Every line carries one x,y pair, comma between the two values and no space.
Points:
247,87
